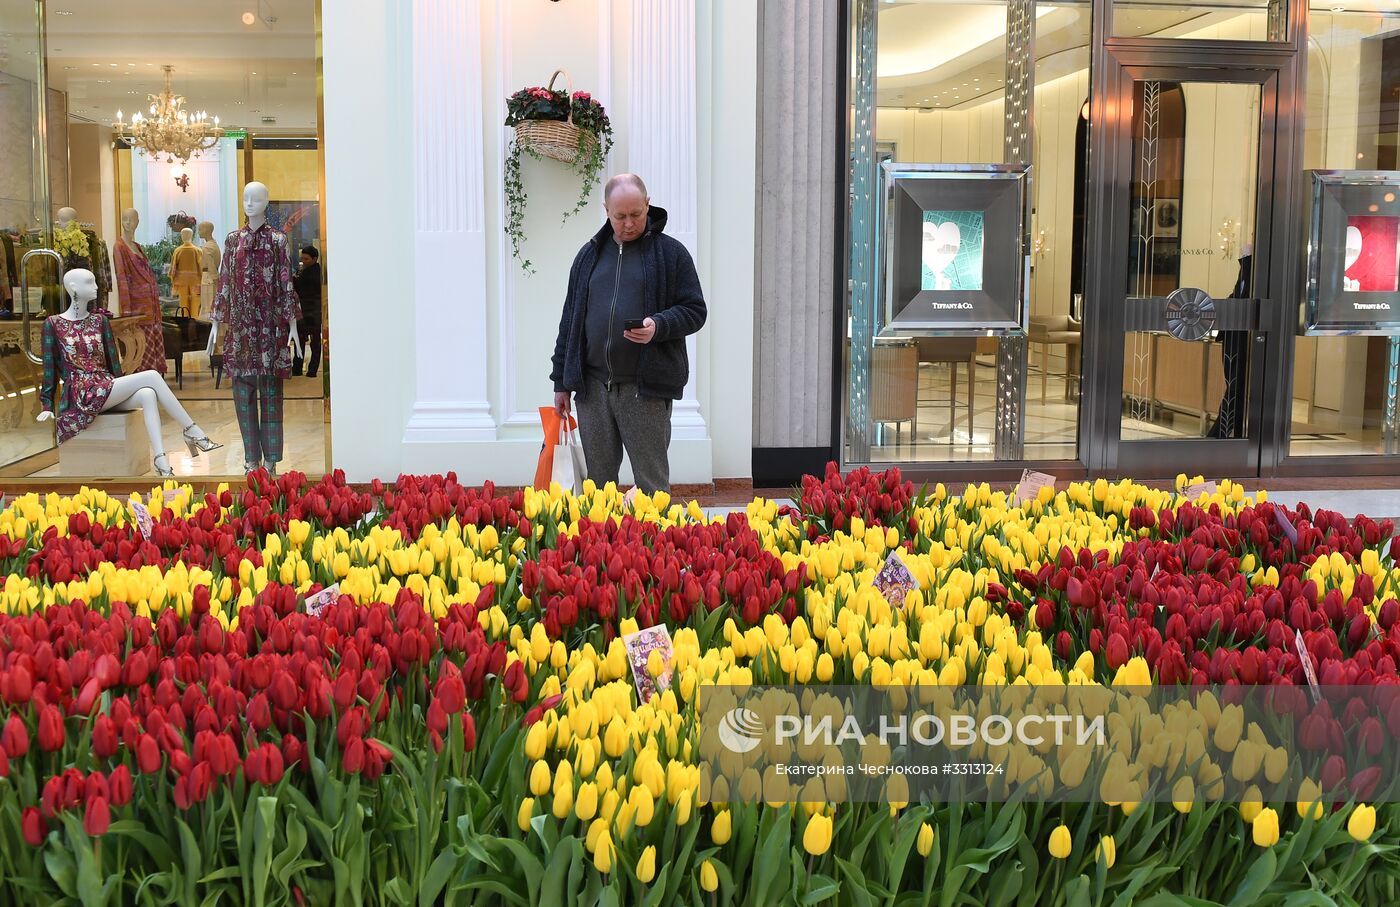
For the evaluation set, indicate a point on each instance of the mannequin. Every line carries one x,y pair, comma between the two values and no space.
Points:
80,350
1234,352
257,309
186,266
95,257
136,282
209,270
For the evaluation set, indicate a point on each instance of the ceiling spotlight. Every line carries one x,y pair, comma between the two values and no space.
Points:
249,18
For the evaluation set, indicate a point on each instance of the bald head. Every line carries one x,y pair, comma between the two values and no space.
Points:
624,181
625,199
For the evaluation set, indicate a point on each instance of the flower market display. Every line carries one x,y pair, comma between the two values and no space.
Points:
300,693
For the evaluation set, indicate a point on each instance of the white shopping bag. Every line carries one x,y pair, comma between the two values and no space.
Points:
569,468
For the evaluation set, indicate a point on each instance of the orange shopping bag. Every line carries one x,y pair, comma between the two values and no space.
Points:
549,418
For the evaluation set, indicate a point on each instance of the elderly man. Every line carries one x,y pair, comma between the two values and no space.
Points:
633,298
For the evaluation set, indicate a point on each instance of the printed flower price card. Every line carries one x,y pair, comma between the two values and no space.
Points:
894,580
649,673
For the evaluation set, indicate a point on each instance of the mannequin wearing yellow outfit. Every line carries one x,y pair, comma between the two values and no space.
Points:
186,272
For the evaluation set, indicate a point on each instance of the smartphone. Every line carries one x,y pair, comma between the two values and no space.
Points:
633,324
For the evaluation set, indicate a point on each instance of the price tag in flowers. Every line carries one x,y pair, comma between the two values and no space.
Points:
894,580
1028,489
322,600
1306,658
649,673
143,519
170,494
1193,492
369,517
1286,525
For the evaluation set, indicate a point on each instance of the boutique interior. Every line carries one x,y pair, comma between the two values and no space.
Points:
254,66
939,77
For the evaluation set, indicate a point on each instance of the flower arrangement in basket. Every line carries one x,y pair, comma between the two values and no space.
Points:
567,126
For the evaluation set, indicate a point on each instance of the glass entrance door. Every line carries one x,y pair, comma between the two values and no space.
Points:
28,272
1188,302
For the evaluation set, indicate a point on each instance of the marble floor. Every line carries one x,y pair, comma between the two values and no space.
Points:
941,433
27,450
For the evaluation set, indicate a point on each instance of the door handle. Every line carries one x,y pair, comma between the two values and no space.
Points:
24,296
1190,313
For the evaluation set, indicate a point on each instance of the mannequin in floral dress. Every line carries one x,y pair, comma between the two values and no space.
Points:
136,283
80,350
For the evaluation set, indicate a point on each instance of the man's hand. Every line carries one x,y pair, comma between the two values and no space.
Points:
642,334
561,404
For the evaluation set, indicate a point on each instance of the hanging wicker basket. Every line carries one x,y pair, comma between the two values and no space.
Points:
560,140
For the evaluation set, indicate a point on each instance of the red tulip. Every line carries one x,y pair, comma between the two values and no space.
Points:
87,697
51,730
104,737
15,737
468,732
147,754
120,784
34,827
353,759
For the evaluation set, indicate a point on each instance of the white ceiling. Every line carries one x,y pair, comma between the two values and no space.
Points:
108,55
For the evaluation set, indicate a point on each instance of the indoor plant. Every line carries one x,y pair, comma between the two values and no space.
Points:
572,128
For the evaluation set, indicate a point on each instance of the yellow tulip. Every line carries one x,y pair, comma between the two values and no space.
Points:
1362,823
1060,842
536,740
525,813
646,865
1106,851
539,779
925,840
1184,794
603,854
709,879
586,803
721,828
1250,805
1309,805
1266,828
816,840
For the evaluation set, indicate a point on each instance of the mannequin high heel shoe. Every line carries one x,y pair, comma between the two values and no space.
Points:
163,471
200,444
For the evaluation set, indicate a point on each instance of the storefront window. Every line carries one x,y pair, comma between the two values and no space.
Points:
939,98
1340,384
133,204
1202,20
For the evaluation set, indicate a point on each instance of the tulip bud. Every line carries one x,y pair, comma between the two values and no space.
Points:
816,839
34,827
97,818
1060,842
1362,823
709,879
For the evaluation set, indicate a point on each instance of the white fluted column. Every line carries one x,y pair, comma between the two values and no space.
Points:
661,100
452,401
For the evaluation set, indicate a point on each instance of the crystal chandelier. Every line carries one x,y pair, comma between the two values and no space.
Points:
170,130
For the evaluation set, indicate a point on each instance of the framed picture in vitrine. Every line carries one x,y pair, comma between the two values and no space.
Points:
1353,256
955,249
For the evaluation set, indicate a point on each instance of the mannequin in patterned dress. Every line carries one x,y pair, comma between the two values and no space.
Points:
80,350
257,310
136,283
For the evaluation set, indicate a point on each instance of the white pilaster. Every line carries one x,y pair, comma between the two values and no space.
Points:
452,401
661,144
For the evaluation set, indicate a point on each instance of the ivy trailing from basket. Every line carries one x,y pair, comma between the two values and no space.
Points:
586,154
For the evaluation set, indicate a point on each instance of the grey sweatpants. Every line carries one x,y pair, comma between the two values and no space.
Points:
611,421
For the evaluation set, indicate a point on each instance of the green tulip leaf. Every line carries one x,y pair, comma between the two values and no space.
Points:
1257,880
